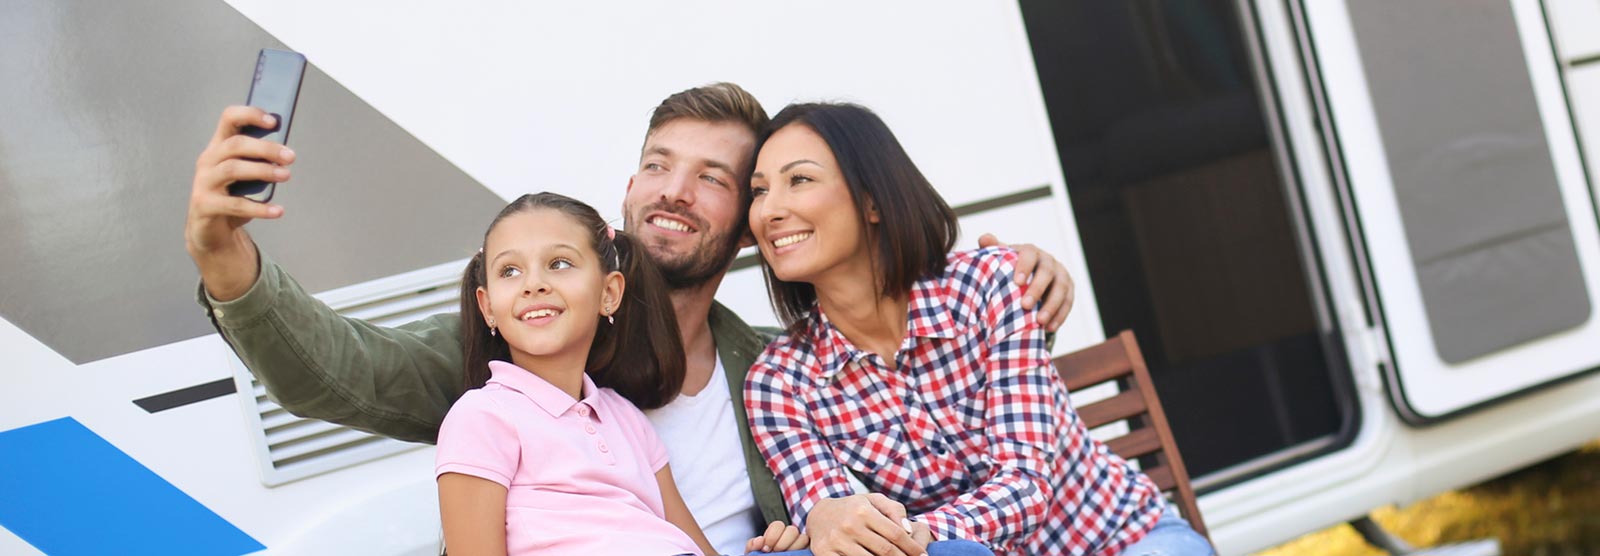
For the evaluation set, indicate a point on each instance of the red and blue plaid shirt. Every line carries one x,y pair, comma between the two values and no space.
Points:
971,430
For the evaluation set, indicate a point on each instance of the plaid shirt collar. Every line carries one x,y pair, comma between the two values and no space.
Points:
930,316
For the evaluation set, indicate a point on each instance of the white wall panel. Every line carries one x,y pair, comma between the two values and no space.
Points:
1583,87
536,96
1577,27
526,95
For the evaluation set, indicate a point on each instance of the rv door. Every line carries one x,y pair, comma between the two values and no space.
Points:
1469,189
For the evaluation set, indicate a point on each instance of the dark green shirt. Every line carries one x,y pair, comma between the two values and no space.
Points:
399,382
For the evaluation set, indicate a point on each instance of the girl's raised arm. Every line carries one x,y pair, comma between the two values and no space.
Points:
678,512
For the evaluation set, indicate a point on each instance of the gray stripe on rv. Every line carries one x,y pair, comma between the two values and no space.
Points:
106,106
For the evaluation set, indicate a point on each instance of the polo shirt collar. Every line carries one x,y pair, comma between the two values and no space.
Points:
545,395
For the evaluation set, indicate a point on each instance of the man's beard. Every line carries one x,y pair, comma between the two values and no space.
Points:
700,264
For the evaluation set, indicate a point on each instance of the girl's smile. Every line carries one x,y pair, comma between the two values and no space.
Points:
546,290
539,314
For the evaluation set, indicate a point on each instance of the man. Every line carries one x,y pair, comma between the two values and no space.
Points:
686,203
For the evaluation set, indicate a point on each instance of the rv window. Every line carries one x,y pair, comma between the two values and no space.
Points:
1187,223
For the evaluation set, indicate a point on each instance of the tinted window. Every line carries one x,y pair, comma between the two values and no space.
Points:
1186,221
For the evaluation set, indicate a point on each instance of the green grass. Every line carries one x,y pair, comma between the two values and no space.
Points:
1549,509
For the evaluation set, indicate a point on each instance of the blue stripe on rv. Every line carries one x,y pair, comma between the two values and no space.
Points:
66,490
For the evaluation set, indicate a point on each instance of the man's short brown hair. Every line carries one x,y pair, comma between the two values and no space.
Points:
716,102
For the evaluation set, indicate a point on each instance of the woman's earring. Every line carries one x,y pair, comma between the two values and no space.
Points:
491,328
610,319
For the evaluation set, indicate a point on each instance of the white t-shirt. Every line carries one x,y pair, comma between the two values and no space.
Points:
702,437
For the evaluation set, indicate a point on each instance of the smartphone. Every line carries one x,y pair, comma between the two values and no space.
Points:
275,89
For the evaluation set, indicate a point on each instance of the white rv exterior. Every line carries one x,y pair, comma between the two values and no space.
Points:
524,97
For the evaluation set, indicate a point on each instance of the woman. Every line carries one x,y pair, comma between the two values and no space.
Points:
920,373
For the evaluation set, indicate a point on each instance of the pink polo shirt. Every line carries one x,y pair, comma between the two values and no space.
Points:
579,474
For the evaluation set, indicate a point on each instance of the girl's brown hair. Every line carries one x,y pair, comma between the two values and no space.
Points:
640,356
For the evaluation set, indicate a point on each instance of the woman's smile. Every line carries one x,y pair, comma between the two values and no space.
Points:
787,239
803,215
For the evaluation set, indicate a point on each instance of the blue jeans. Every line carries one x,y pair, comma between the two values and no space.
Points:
1172,536
939,548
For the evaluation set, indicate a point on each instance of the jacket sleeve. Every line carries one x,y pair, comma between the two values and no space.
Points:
397,382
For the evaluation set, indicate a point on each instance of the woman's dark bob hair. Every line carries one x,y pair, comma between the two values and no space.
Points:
916,229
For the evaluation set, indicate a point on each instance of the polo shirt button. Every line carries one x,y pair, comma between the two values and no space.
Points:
604,449
588,429
217,312
583,410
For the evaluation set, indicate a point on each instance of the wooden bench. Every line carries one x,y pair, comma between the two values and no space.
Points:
1149,439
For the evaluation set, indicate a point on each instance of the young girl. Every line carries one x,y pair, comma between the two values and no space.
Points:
568,331
919,372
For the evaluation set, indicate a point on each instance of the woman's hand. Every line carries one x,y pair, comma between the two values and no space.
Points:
920,532
778,538
861,525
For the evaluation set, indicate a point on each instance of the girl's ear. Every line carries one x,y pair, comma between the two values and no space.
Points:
872,213
483,305
611,293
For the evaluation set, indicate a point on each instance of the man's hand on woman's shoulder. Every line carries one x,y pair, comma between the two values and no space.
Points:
1047,280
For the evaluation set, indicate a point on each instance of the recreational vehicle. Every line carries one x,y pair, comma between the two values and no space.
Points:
1357,239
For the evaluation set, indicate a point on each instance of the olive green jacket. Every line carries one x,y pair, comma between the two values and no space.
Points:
399,382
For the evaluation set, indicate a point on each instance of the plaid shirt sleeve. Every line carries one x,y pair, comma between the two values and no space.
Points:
805,467
1019,418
